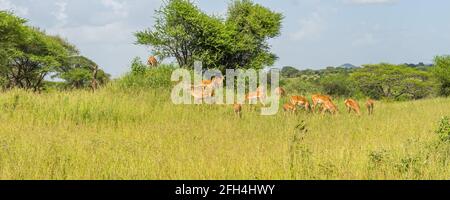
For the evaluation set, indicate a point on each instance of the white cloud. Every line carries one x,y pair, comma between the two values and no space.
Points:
60,13
309,27
112,33
7,5
364,2
118,7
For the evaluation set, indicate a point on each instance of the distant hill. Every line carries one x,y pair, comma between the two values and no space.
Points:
348,66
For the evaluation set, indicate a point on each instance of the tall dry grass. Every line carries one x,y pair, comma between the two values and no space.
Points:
142,135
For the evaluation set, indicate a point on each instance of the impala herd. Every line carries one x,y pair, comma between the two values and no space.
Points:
324,103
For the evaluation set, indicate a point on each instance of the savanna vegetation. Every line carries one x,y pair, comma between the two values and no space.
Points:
139,134
129,129
382,81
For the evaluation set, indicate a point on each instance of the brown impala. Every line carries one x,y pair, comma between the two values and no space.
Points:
329,106
214,82
300,101
289,108
370,104
260,94
238,110
201,93
352,105
279,91
152,61
319,99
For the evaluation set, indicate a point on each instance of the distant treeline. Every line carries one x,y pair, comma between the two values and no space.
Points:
378,81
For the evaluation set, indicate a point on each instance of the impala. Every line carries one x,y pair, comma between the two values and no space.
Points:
300,101
352,105
329,106
259,94
152,61
370,104
238,110
279,91
214,82
319,99
291,108
200,93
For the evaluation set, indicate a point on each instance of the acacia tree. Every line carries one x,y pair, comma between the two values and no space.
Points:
393,81
11,30
251,26
81,72
34,58
28,55
186,33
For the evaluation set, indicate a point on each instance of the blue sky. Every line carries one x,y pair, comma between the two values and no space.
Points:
315,34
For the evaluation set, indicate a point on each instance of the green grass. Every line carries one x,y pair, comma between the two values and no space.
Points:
142,135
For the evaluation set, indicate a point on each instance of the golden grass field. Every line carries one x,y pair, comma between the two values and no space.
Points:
142,135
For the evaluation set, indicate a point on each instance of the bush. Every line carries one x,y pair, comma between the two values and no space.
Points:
442,73
299,86
138,67
444,129
151,78
337,85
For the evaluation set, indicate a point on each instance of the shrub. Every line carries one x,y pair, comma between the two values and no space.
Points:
337,85
443,130
151,78
442,73
300,86
137,67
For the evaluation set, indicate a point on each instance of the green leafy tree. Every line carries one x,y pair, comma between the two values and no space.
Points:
28,56
251,25
178,25
186,33
34,57
442,72
289,72
11,31
81,72
77,78
393,81
338,85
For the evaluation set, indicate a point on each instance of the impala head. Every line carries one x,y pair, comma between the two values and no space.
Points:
332,107
279,91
